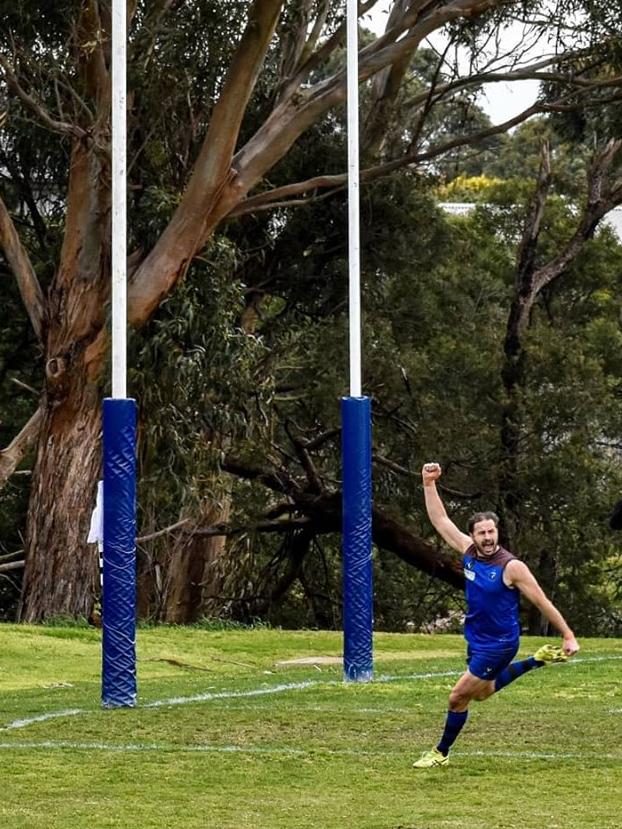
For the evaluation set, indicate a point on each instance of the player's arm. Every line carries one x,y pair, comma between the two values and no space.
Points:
517,574
437,514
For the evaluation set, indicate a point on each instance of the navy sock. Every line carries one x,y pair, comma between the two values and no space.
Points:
453,726
514,670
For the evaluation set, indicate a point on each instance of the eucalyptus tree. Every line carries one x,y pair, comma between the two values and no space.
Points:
220,94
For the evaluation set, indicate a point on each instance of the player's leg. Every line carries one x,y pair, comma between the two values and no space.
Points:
477,683
545,655
467,688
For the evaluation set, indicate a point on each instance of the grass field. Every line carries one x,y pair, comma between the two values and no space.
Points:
225,736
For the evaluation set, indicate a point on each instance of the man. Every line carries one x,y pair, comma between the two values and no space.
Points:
494,580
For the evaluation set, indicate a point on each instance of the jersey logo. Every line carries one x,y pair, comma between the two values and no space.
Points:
470,575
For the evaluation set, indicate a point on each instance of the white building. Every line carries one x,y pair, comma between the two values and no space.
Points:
613,219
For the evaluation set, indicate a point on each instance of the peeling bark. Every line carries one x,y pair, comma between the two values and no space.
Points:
61,574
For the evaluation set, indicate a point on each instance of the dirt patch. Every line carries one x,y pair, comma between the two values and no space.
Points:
312,660
379,656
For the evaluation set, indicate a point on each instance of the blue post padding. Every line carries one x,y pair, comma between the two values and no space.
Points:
357,563
119,593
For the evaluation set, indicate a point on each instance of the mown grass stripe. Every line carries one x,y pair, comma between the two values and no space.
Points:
286,750
265,691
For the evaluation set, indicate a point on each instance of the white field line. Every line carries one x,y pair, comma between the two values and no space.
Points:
254,692
70,712
273,689
539,755
290,686
61,745
142,747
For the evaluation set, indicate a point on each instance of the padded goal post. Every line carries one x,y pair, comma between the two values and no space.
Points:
119,580
357,559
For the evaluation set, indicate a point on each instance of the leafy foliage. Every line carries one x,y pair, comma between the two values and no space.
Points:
249,355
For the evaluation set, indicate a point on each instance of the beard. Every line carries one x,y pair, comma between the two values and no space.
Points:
487,549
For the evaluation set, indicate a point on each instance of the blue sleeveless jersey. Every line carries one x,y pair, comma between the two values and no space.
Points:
492,617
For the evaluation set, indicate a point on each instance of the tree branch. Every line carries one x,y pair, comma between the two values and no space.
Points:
276,481
324,510
35,106
12,565
316,59
278,196
386,86
526,254
263,201
11,457
602,197
93,38
28,284
313,477
159,533
294,36
186,232
25,386
261,526
223,132
293,117
532,73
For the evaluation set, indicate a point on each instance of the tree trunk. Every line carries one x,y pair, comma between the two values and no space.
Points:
193,574
513,370
537,624
182,585
510,496
272,587
216,562
61,573
199,567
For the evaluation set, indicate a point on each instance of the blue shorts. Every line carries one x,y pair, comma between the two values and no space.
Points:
487,663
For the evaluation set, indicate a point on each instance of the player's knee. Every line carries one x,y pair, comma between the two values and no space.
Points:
458,700
483,693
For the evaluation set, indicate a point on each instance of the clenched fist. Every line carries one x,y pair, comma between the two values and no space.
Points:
431,472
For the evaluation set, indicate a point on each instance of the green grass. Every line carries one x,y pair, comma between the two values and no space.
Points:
544,753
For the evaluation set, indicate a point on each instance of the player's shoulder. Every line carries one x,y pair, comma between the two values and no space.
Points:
503,557
469,551
515,569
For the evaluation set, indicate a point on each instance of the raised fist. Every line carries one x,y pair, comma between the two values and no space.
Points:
430,472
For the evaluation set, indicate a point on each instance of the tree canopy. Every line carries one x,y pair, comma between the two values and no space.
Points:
236,292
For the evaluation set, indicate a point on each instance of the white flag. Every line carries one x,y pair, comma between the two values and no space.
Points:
96,530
